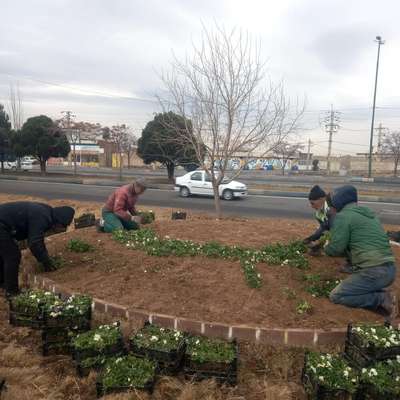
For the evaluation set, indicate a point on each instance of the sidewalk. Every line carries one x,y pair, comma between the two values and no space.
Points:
153,184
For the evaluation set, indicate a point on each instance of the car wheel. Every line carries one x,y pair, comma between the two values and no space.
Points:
227,194
184,192
13,168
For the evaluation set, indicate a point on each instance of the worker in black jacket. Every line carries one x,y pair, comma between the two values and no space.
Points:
32,221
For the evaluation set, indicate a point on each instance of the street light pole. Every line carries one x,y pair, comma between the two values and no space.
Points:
371,138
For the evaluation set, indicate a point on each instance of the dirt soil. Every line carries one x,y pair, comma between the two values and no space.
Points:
203,288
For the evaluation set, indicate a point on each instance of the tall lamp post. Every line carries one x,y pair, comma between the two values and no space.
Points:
371,138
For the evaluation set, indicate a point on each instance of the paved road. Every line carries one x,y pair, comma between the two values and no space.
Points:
253,206
250,177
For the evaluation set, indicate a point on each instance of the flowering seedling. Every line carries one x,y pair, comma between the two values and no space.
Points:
382,379
379,336
329,371
304,307
79,246
203,350
125,373
319,287
147,216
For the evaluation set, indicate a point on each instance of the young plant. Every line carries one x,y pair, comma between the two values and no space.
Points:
147,216
379,336
79,246
319,287
99,339
304,307
32,302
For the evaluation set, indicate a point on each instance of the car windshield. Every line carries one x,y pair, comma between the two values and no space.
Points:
225,180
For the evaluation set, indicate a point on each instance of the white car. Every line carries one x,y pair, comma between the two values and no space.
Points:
12,165
199,182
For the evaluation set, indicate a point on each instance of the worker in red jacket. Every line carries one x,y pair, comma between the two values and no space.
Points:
119,212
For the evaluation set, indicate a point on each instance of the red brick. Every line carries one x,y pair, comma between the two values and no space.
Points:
164,321
334,336
300,337
216,330
272,336
99,306
116,310
187,325
245,333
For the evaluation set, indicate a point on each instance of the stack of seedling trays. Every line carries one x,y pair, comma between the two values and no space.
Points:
92,349
178,215
375,351
63,321
26,309
165,346
84,221
211,358
126,373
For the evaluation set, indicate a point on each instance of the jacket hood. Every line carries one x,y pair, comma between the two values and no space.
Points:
343,195
63,215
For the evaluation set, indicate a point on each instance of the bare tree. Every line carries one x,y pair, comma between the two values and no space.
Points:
285,151
16,108
129,145
234,111
391,148
118,135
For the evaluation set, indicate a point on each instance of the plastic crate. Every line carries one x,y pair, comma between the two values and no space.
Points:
368,392
84,221
317,392
77,322
361,355
113,350
222,372
18,318
56,348
178,215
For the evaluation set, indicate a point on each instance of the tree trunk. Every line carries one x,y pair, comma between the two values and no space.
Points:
171,170
129,160
217,202
2,167
396,163
43,167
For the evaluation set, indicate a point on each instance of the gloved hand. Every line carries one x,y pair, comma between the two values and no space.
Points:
307,241
136,218
315,250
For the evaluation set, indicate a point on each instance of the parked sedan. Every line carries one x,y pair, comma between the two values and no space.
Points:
199,182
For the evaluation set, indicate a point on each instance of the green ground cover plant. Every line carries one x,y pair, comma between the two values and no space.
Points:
79,246
203,350
291,254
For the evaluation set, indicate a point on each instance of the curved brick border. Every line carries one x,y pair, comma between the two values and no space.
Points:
272,336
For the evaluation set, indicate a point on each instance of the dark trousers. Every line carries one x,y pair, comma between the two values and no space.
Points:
10,257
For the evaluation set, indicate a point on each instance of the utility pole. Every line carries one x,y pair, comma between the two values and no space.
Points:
72,134
331,127
308,154
371,139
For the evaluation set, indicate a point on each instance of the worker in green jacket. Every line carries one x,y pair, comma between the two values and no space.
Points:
358,230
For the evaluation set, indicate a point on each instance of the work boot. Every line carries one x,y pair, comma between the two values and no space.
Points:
346,268
390,306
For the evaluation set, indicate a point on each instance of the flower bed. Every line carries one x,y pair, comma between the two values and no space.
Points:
366,344
26,309
381,381
211,358
91,349
291,254
166,346
326,376
126,373
318,286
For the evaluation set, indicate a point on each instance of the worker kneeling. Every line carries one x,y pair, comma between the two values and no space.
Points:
357,229
32,221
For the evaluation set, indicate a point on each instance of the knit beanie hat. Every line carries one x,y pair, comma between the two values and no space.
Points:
63,215
316,193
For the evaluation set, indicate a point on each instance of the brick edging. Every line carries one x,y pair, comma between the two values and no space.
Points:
264,335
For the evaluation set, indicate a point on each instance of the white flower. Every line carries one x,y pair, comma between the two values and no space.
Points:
346,373
321,378
96,337
154,339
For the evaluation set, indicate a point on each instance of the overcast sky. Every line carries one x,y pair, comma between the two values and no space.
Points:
102,59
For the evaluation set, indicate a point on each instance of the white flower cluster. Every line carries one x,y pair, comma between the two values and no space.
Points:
380,336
